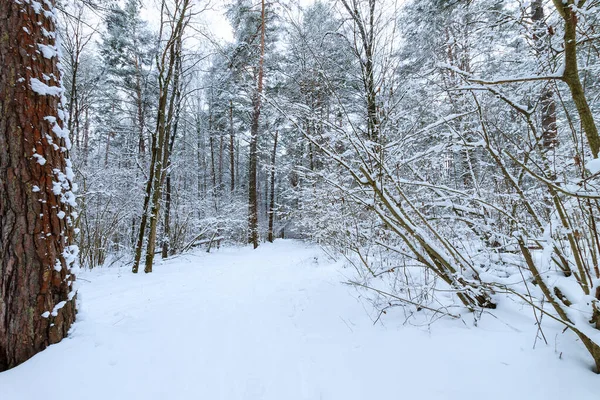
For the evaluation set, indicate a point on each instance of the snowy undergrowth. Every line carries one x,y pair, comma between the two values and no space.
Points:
278,323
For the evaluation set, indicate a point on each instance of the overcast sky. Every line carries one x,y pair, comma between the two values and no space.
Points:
214,18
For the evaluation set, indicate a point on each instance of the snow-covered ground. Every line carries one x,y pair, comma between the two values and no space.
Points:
277,323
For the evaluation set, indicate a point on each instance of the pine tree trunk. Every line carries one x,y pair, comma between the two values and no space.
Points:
86,137
73,95
200,161
271,236
107,149
548,105
37,304
231,147
253,163
139,100
213,167
221,147
252,182
167,220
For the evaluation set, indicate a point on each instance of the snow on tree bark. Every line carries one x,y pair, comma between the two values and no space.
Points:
253,162
37,301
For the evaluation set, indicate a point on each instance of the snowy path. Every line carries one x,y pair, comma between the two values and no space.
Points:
276,323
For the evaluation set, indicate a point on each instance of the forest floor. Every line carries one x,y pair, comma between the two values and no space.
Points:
278,323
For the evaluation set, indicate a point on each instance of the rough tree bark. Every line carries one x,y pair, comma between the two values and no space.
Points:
139,102
253,164
548,105
37,304
213,164
231,147
271,212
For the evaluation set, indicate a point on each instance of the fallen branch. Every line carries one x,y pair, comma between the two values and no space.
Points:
403,300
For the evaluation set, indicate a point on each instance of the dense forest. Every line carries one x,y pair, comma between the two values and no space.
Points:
445,150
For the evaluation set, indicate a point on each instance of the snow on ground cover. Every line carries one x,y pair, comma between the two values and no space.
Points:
277,323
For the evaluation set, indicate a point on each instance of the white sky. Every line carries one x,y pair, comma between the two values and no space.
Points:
214,18
216,24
